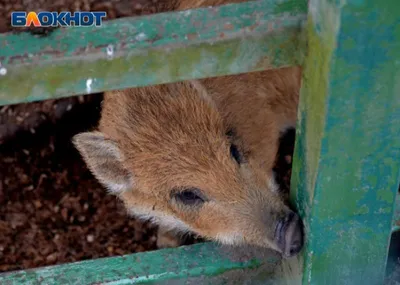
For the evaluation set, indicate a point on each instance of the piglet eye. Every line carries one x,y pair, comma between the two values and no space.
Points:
235,153
189,197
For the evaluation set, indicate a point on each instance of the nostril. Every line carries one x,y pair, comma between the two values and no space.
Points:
282,225
290,217
289,234
294,236
295,247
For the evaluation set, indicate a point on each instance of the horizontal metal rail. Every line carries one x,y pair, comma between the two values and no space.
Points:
184,265
150,50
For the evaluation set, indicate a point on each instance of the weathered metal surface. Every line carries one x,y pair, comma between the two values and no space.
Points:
346,163
150,50
198,264
396,219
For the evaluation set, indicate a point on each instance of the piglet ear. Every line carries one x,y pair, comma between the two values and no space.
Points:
104,160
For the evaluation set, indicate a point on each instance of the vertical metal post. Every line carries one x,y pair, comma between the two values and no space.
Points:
347,156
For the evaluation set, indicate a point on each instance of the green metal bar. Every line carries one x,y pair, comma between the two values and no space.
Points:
396,219
346,164
151,50
198,264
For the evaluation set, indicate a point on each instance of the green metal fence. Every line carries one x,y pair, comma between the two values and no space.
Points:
346,168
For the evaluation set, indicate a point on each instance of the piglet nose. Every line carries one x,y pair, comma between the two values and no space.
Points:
289,235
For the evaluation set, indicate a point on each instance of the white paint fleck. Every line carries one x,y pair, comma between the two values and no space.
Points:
141,37
110,51
187,13
309,266
89,82
3,70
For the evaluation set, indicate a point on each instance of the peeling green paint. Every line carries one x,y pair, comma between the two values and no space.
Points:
362,210
312,112
385,195
346,163
150,50
168,266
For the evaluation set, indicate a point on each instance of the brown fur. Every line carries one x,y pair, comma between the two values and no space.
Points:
157,139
